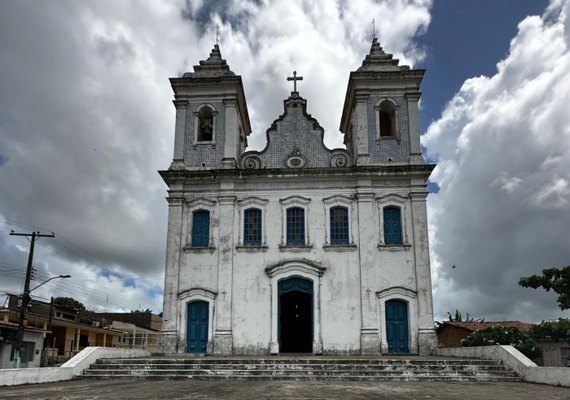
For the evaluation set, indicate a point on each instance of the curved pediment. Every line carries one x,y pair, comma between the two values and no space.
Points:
295,141
284,267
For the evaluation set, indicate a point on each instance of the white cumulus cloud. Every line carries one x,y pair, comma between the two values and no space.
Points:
503,151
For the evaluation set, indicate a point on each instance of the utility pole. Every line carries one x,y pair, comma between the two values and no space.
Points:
47,341
32,237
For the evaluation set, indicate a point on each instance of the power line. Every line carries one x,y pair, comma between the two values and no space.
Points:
21,225
75,248
78,289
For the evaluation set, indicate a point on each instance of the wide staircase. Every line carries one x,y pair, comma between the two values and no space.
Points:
302,368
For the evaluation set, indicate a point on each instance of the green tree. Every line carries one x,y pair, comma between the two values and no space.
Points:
555,330
147,311
459,318
557,279
523,341
69,302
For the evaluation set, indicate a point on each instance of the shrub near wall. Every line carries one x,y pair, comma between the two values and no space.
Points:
554,330
521,340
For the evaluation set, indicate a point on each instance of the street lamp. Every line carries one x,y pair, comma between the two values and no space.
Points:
53,277
25,301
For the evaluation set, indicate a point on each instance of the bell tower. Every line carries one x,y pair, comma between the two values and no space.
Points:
212,122
380,114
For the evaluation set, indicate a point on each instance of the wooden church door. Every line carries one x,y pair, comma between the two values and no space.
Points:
397,326
197,327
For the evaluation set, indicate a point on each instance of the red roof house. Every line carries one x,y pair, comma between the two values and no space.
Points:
450,333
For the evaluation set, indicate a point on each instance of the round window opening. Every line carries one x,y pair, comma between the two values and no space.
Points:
296,162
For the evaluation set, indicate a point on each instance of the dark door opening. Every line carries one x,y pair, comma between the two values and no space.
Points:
296,316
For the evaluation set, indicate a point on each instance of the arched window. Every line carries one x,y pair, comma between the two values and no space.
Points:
392,225
295,226
205,124
252,227
200,228
387,119
339,225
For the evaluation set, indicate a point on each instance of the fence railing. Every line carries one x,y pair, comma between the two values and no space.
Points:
147,341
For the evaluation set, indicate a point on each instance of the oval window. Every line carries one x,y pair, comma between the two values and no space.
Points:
296,162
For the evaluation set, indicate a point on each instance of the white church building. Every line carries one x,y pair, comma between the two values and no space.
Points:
298,248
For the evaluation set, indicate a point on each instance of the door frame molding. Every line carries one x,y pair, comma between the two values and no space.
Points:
410,297
302,269
188,296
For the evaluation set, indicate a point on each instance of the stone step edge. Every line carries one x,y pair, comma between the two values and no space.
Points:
305,377
221,370
307,370
308,359
300,366
163,362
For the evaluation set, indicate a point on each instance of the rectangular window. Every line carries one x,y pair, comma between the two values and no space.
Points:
392,225
295,226
339,225
252,227
200,228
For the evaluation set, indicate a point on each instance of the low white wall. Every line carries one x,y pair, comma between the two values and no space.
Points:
515,360
510,356
72,368
557,376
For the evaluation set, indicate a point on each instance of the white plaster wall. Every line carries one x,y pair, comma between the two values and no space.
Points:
556,376
340,303
251,304
341,286
199,270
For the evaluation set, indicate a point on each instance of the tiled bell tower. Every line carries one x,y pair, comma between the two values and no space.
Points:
212,122
380,113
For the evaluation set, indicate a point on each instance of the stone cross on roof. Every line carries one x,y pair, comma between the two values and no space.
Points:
294,78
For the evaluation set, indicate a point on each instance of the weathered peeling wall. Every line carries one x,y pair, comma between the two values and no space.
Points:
345,296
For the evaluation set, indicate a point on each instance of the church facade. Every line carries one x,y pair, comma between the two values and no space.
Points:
298,248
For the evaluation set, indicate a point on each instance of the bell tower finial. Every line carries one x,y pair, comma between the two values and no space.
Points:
373,29
217,34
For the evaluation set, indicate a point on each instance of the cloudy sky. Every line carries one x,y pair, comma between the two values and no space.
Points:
86,120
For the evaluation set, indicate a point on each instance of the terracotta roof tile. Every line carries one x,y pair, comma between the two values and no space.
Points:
476,326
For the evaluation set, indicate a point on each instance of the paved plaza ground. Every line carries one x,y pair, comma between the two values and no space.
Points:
223,389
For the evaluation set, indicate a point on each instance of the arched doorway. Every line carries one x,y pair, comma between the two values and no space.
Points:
295,329
197,327
397,326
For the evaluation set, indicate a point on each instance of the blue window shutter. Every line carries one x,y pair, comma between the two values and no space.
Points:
200,228
252,227
295,226
392,226
339,225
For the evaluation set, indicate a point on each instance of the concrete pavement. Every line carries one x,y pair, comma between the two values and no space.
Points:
223,389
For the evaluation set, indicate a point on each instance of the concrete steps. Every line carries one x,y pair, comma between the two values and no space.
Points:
306,368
